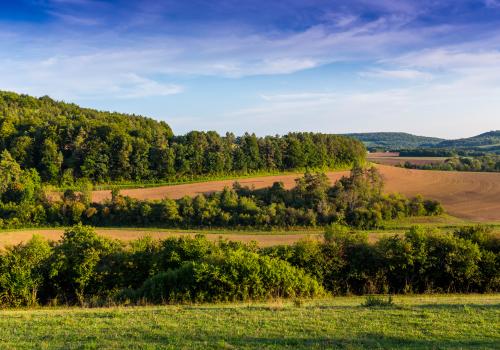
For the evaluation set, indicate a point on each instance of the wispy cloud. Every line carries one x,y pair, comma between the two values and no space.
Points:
405,74
405,61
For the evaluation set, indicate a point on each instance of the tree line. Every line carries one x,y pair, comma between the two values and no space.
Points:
64,143
356,200
487,163
85,269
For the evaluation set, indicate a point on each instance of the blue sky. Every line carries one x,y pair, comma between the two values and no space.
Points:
428,67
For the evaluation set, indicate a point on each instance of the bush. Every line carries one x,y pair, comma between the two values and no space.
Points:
85,268
22,272
235,275
74,268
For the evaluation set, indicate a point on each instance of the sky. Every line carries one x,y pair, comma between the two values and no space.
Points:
428,67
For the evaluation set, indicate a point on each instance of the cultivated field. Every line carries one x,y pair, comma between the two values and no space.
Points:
396,160
415,322
263,239
466,195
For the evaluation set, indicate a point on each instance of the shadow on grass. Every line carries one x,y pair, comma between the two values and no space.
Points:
456,306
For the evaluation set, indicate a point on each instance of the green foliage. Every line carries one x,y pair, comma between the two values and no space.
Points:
64,142
355,201
486,163
486,139
421,261
83,268
74,265
234,275
394,140
22,272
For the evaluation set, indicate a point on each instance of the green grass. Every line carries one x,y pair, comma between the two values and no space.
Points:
444,222
415,322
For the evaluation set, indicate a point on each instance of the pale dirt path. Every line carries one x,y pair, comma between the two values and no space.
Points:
467,195
263,240
10,238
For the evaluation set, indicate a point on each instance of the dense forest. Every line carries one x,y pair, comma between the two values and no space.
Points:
64,142
86,269
488,163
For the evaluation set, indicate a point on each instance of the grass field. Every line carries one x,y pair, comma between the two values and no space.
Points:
415,322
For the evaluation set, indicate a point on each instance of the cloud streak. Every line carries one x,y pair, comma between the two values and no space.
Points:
402,62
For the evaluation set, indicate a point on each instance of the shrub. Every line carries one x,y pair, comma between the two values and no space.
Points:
22,272
234,275
74,263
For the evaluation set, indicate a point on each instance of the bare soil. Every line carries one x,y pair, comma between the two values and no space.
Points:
396,160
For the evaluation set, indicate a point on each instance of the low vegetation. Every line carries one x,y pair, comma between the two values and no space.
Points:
418,322
86,269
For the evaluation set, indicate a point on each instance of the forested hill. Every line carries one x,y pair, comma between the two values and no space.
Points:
485,140
64,142
394,140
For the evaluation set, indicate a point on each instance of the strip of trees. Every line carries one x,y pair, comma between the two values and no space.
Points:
86,269
487,163
356,200
64,143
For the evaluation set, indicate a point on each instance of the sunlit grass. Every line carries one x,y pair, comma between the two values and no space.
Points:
415,322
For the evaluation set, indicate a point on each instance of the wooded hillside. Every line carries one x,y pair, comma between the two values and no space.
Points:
64,142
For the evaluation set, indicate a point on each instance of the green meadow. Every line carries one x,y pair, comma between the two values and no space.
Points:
413,322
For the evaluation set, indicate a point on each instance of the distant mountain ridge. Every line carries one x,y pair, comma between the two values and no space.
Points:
485,140
399,140
394,140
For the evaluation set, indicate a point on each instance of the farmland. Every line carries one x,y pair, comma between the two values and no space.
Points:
395,159
471,196
415,322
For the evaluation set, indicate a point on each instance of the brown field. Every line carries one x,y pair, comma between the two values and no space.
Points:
466,195
396,160
383,154
263,239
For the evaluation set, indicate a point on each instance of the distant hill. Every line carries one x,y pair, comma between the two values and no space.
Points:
395,140
486,140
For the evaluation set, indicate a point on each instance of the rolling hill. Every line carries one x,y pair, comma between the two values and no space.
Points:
394,140
486,140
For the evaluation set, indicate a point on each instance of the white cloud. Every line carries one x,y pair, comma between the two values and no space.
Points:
97,76
405,74
464,105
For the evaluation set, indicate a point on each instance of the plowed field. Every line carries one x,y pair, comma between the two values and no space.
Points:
467,195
